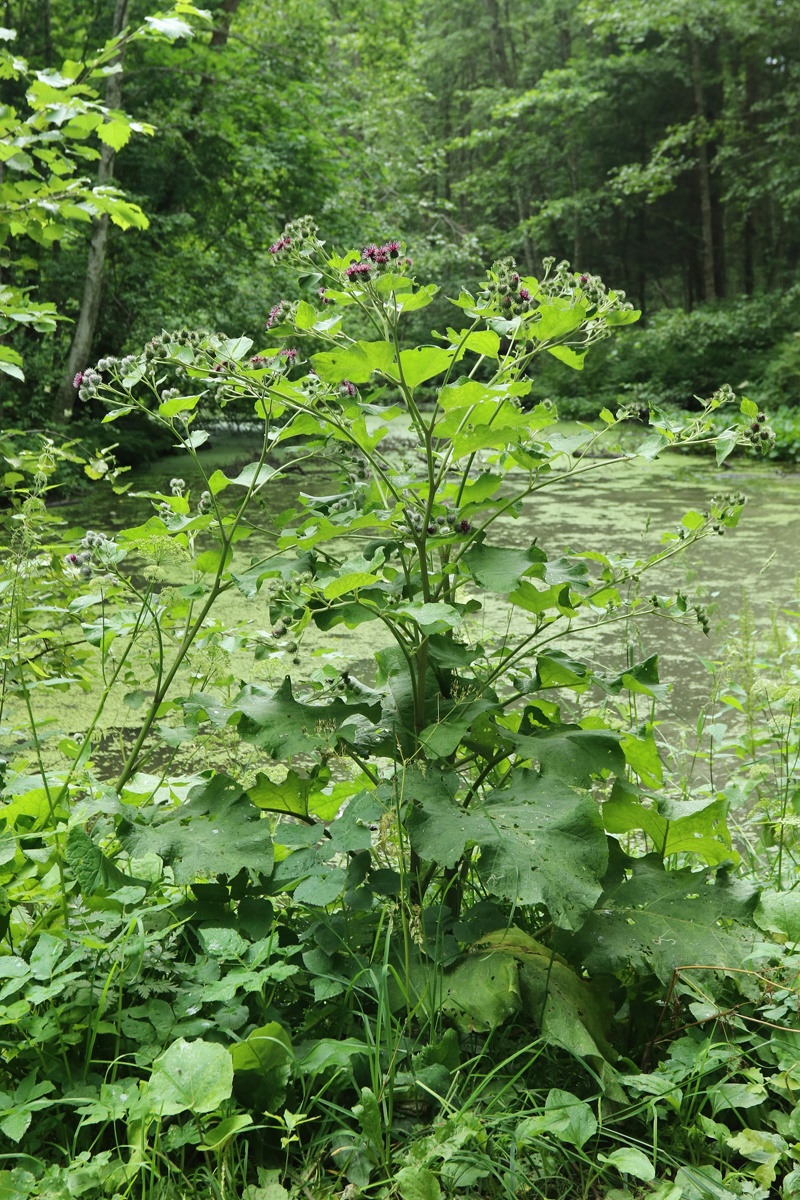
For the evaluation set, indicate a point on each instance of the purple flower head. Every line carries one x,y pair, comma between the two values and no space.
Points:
289,355
369,251
524,294
72,558
78,380
515,278
359,268
463,526
346,388
258,361
392,249
325,299
584,279
283,243
277,313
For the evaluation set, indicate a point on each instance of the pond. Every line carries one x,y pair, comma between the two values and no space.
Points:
623,507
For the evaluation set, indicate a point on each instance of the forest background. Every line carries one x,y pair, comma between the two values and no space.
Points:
654,143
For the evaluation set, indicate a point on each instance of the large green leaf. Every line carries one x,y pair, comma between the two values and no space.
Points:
190,1077
431,618
465,393
570,1012
500,568
288,796
573,754
422,363
218,831
657,921
93,871
442,737
283,726
355,363
557,318
779,912
565,1116
541,841
398,711
683,827
480,341
266,1050
481,992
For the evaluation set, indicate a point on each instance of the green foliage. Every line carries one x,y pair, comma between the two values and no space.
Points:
44,192
280,921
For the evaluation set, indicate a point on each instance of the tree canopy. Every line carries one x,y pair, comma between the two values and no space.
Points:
653,143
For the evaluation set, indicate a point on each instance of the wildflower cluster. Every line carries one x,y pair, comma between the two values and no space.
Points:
88,382
177,487
159,346
297,235
375,259
559,281
760,434
506,290
441,525
724,507
95,549
272,362
280,312
701,616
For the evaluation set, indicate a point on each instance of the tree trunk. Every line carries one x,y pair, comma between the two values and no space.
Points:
500,35
704,176
221,32
86,324
751,125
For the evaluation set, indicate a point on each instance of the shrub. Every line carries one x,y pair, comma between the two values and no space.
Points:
452,878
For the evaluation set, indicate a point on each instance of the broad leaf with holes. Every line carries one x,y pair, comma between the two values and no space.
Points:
276,722
218,831
540,841
657,921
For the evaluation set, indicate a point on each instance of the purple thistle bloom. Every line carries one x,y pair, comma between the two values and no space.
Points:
359,268
346,388
287,354
524,294
78,380
274,314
